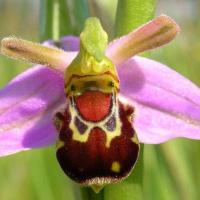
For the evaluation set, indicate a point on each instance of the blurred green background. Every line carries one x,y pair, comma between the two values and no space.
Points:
172,169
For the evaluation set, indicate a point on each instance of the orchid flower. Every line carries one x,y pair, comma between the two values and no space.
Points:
159,103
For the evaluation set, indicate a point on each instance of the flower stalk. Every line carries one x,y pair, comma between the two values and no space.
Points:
130,15
80,13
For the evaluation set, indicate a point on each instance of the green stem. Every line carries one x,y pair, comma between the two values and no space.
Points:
89,194
58,19
80,14
54,19
94,196
131,14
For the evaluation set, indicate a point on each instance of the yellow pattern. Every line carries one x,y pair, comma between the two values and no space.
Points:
59,144
88,66
115,167
110,135
134,139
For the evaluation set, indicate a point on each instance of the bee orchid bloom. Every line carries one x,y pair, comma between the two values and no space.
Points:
92,108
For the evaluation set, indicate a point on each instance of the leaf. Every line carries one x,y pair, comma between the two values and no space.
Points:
54,19
80,13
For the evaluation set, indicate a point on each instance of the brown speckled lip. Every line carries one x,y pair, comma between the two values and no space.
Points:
90,162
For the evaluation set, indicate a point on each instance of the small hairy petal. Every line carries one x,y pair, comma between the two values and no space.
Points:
155,33
26,111
167,104
36,53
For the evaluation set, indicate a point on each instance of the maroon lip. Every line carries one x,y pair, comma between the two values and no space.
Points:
91,161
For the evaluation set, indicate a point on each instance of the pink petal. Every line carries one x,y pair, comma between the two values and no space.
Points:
26,110
66,43
167,104
70,43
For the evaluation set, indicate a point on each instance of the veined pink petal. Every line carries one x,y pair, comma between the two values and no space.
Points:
28,104
167,104
26,111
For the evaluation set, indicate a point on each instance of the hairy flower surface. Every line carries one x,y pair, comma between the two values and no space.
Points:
165,104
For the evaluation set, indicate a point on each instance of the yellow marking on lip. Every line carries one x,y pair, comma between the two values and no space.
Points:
101,82
134,139
110,135
59,144
115,167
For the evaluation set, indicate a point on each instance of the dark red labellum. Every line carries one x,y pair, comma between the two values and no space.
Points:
93,162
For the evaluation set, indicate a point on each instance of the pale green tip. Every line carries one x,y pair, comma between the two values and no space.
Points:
97,188
94,39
